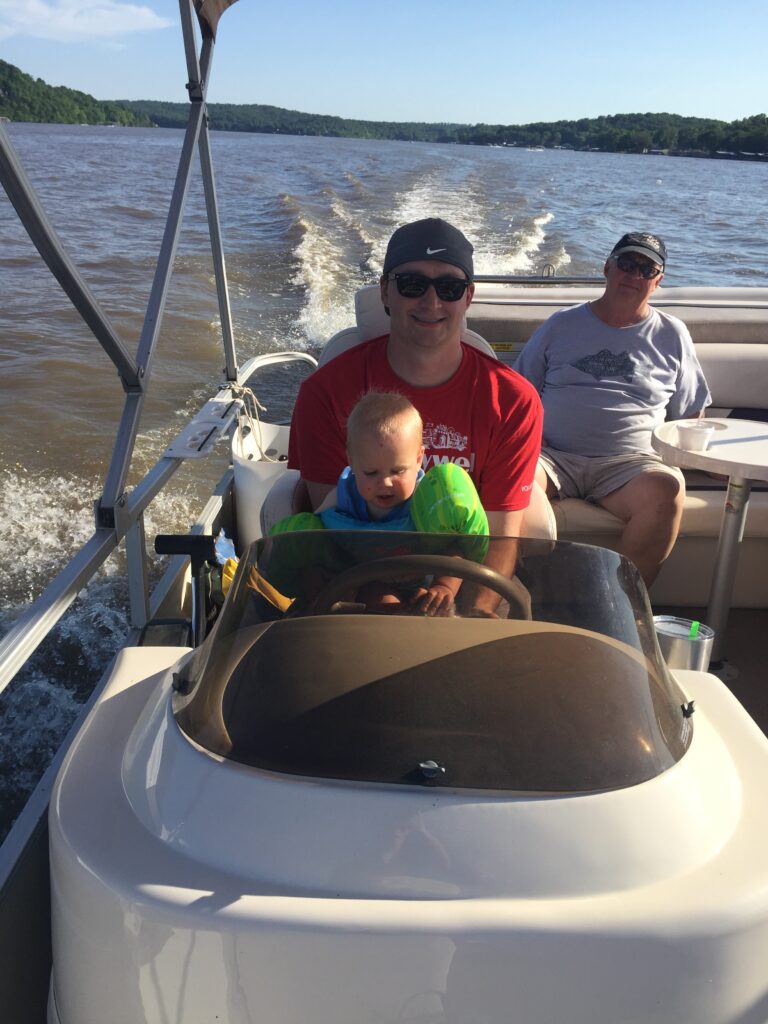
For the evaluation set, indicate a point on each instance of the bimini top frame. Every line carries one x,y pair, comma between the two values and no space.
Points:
119,514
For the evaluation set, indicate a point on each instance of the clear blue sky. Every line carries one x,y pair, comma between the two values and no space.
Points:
467,61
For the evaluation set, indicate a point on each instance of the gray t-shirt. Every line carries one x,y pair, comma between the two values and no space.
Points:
605,389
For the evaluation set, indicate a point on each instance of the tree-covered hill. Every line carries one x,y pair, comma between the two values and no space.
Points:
257,117
617,133
24,98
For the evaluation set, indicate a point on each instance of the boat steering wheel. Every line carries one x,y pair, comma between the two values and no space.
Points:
404,567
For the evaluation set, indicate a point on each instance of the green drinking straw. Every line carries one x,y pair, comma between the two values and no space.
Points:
694,630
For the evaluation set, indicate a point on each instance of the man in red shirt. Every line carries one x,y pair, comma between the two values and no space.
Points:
476,411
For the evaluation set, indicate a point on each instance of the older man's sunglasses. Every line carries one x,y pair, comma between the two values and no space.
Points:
646,270
413,286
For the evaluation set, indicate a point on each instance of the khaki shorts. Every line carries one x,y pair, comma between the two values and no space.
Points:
594,477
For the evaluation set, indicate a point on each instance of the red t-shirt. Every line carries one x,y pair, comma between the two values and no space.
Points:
486,418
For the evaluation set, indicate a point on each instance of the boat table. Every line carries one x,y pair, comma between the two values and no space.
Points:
738,450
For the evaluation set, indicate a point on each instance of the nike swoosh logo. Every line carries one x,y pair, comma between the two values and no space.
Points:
431,252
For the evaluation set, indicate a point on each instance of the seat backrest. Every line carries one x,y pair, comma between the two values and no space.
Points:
372,322
539,518
286,497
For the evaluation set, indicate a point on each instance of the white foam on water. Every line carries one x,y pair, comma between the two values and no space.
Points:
561,258
327,278
35,722
496,251
42,537
330,273
434,196
461,205
524,258
354,220
48,519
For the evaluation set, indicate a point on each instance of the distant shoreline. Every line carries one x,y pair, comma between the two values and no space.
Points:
26,99
688,154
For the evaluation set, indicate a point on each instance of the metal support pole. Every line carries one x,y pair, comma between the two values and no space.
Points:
138,583
195,80
217,250
198,71
126,436
727,560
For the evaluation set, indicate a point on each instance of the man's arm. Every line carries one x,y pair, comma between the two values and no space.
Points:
531,362
315,416
691,395
501,557
505,524
317,493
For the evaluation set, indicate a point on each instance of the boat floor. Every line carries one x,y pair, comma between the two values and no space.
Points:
744,671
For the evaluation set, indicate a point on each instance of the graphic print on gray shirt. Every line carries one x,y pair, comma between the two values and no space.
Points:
604,389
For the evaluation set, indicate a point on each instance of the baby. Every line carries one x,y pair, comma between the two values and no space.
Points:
385,488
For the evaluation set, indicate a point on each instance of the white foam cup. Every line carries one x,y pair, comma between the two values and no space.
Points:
694,435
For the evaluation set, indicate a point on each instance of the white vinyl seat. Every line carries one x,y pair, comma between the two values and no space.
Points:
372,322
288,494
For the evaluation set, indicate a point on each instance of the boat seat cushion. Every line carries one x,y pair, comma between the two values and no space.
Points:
737,375
702,516
288,495
373,322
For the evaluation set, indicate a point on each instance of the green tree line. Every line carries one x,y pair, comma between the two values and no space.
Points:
256,117
23,98
615,133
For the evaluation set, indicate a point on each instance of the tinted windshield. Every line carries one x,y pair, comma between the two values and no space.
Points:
564,691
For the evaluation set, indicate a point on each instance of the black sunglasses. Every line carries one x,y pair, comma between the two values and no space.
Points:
413,286
630,266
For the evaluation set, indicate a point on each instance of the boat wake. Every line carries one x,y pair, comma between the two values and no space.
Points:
44,699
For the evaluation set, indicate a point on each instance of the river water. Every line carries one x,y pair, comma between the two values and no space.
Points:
305,222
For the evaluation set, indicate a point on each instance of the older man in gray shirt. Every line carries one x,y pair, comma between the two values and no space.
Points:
608,373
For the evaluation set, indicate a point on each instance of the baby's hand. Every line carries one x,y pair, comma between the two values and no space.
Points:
436,600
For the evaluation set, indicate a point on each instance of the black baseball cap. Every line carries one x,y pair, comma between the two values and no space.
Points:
429,239
641,242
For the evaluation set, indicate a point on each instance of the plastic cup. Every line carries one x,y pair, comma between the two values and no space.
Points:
694,436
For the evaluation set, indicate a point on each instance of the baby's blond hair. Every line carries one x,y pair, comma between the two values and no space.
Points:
382,413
